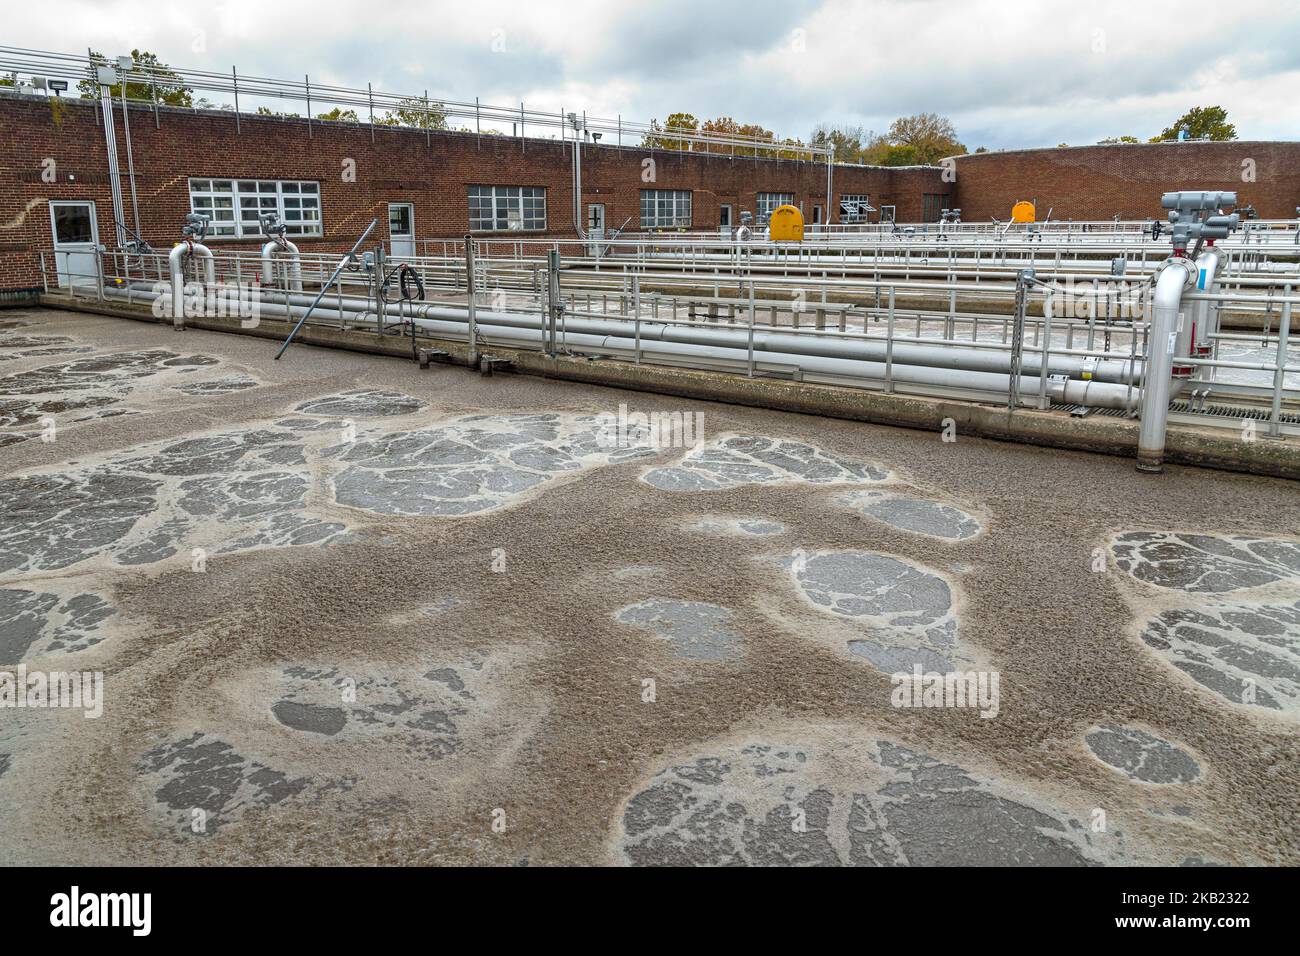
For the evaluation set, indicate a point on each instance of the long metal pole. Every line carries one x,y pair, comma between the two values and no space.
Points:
470,287
338,270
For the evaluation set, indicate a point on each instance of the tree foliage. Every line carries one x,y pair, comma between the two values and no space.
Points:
1200,122
415,112
166,85
929,135
668,136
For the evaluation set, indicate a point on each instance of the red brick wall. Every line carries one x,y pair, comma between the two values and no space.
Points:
400,165
1098,182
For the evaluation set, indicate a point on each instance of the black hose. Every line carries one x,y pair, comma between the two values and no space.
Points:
410,289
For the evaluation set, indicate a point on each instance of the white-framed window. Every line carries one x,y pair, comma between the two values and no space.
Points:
665,208
767,202
234,206
854,207
507,208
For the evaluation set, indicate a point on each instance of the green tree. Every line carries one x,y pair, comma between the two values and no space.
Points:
415,112
1110,140
930,135
847,142
1200,122
166,85
340,115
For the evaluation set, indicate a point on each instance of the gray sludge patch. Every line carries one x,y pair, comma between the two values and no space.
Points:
906,611
311,717
33,345
81,390
758,527
845,801
201,772
1247,654
424,717
735,460
470,465
914,514
225,385
693,630
33,623
1142,756
225,492
1203,562
363,403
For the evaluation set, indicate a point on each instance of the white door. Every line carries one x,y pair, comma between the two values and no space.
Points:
596,220
401,230
76,239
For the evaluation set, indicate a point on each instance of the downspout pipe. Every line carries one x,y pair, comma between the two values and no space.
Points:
176,262
1177,275
269,251
577,188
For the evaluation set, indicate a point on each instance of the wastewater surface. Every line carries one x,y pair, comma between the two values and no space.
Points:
837,797
914,514
754,459
431,601
903,612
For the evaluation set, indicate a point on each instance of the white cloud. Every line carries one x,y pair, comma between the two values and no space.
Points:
1008,72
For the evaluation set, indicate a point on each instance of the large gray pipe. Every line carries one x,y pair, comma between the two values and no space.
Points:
866,350
735,357
1174,278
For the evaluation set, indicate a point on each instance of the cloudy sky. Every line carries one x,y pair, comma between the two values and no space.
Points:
1008,73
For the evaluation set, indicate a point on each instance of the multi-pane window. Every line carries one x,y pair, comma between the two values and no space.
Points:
234,207
932,206
665,208
767,203
506,208
854,207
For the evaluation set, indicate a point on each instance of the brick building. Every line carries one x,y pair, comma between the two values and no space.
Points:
330,179
1099,182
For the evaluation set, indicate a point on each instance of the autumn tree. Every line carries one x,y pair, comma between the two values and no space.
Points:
661,137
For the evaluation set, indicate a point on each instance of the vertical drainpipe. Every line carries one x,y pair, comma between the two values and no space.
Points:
1176,276
114,173
130,160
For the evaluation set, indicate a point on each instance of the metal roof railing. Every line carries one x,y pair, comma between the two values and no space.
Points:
413,110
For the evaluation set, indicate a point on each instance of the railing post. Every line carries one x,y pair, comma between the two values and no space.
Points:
889,347
1018,338
470,288
1279,373
553,295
